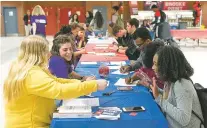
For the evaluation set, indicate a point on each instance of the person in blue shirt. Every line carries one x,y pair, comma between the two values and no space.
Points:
61,60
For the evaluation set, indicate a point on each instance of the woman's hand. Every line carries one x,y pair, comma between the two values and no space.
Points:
154,88
83,51
144,83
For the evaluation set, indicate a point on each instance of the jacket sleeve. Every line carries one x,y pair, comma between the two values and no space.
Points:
24,18
155,21
40,83
181,112
138,63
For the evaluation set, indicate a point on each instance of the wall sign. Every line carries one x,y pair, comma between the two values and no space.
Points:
175,5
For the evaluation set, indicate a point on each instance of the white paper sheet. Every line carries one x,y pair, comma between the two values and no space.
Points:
121,82
88,62
91,52
75,109
117,63
119,73
101,48
114,67
105,54
102,45
81,102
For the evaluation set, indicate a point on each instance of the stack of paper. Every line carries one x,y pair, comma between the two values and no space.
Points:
117,72
76,108
108,113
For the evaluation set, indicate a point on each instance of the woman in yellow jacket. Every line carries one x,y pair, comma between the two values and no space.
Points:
30,89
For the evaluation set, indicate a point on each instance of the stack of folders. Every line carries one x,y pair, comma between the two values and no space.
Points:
76,108
108,113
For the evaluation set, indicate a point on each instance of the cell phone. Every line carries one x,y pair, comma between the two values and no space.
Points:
134,109
124,88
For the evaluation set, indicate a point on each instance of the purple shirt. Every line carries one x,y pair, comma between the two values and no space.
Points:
59,67
40,21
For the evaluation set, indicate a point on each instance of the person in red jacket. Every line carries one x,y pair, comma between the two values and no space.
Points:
196,13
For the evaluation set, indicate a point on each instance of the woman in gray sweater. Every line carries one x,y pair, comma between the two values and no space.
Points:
178,98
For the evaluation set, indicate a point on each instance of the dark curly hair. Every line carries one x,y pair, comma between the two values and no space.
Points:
116,8
150,50
66,29
99,19
172,64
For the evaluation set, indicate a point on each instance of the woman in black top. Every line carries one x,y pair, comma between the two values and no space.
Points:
89,17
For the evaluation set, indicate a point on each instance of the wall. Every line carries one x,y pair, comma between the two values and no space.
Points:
20,13
204,13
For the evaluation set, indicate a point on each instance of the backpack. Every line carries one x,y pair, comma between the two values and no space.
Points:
119,22
163,16
202,96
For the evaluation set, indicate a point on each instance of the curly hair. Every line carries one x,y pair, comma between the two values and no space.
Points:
99,19
116,8
60,40
172,64
150,50
66,29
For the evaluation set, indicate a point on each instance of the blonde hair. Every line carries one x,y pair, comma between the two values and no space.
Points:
33,52
38,10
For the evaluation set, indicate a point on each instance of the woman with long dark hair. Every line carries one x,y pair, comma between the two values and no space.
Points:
89,17
97,23
74,19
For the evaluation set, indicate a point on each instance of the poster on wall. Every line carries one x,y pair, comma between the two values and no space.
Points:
175,5
148,4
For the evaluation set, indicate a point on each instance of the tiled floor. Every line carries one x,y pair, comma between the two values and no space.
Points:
9,50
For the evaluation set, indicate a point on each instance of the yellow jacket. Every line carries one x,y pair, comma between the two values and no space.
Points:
35,106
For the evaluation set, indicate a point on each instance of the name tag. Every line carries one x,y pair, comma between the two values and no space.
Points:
42,21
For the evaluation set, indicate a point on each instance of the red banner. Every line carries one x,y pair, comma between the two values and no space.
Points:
175,5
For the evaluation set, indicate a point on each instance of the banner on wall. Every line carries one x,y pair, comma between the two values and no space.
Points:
175,5
148,4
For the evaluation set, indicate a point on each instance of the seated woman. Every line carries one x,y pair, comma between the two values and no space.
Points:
178,98
30,89
81,39
145,24
146,73
72,31
61,61
88,30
